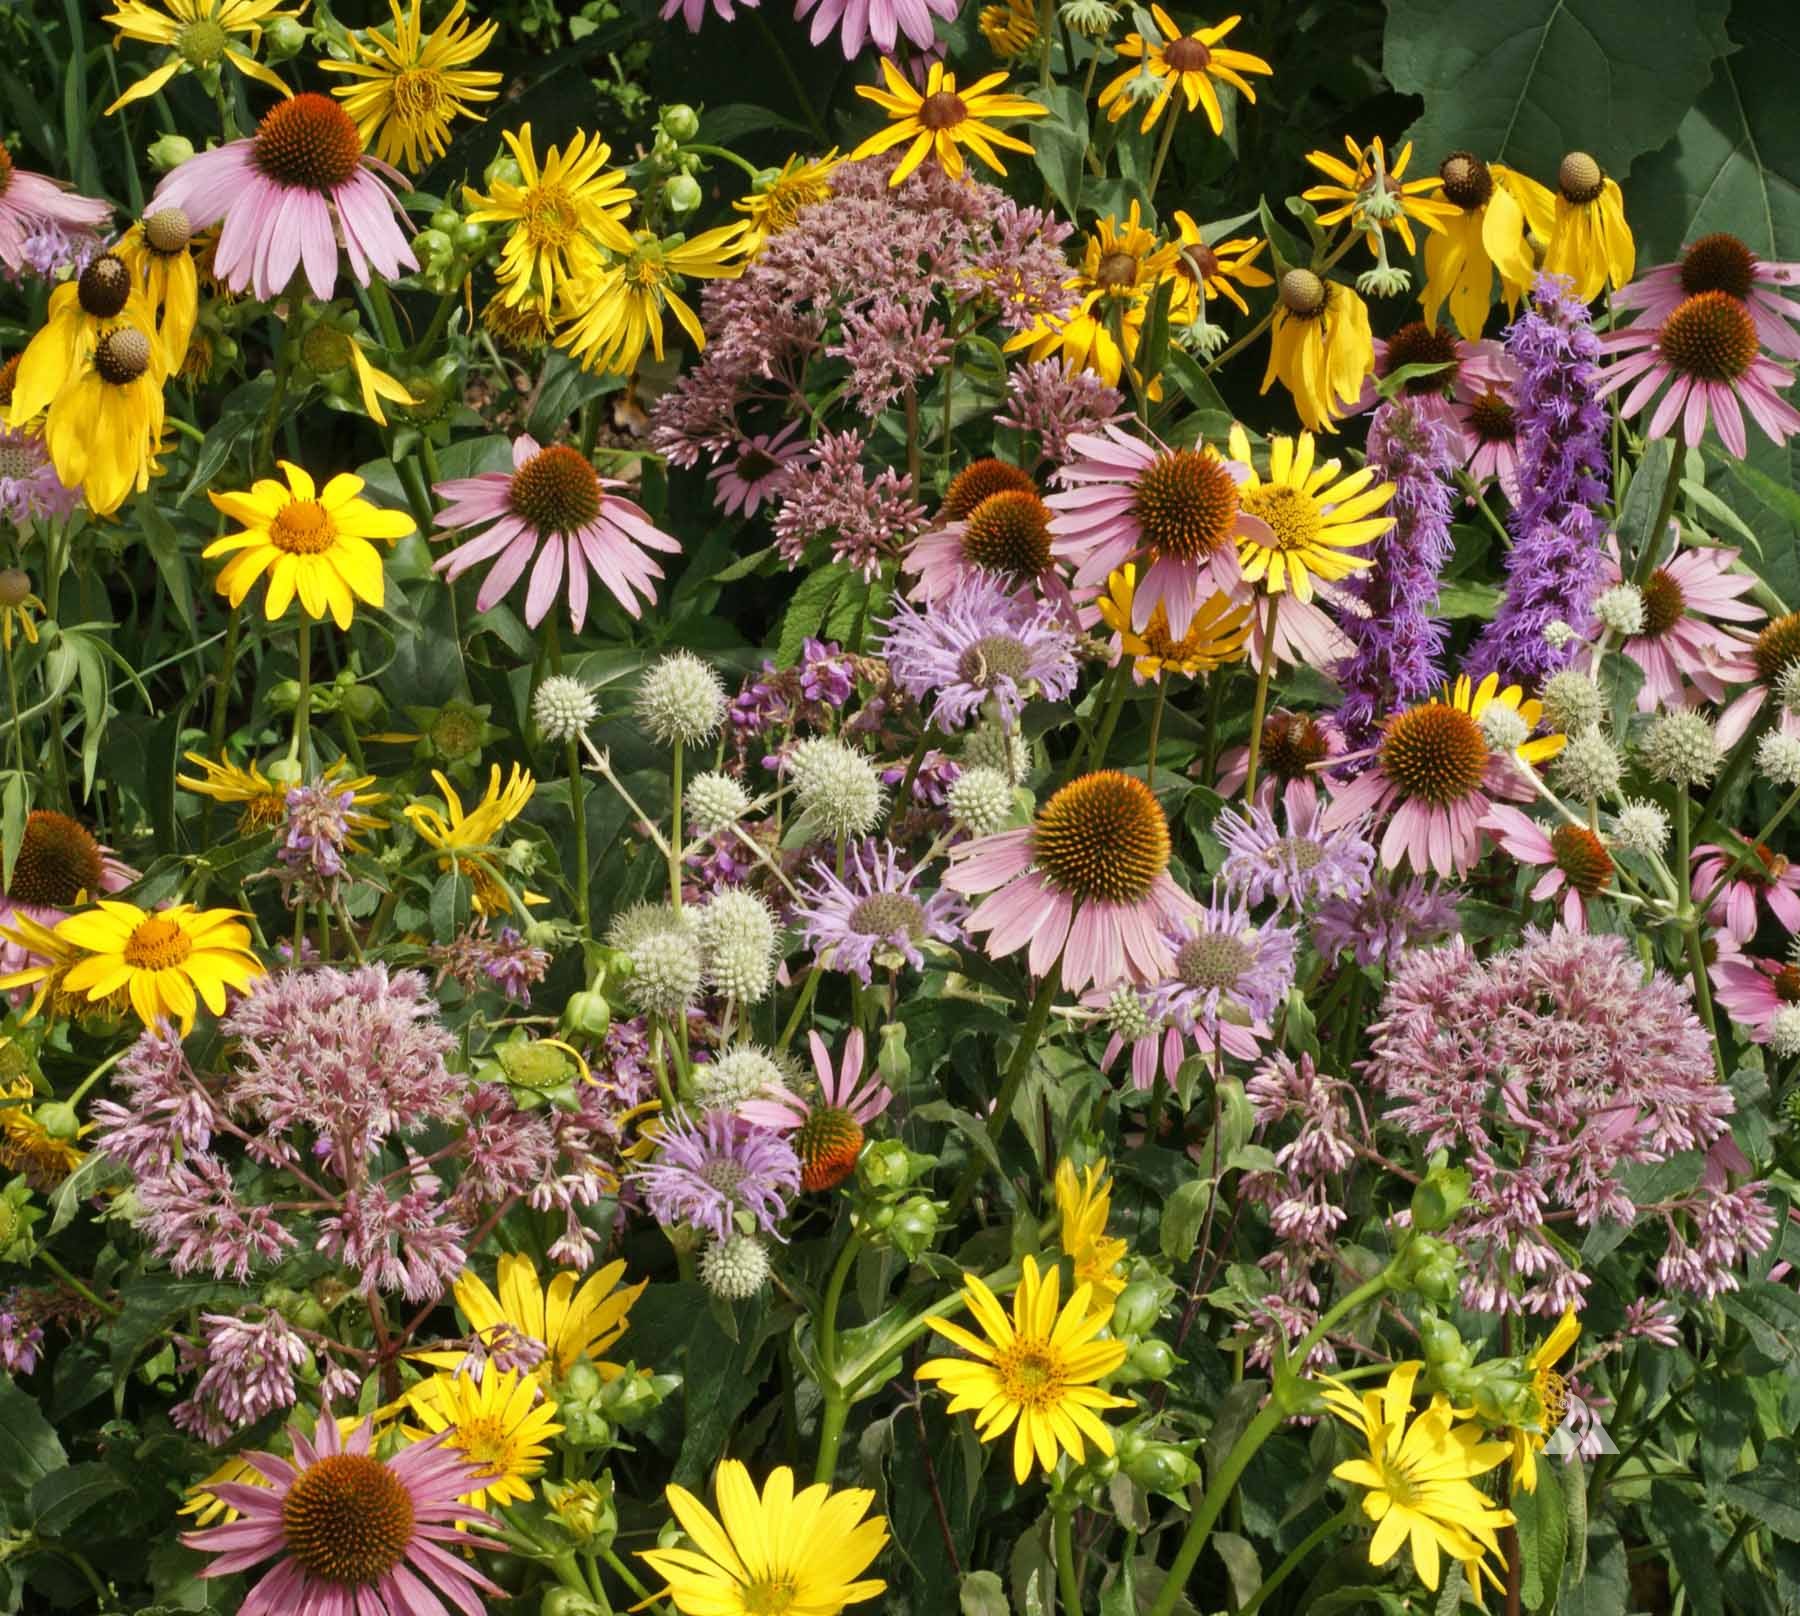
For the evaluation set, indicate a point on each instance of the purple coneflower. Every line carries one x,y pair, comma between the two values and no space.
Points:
357,1535
554,506
1763,879
1301,865
30,202
1484,413
979,643
1574,860
59,866
858,22
705,1173
827,1134
757,471
872,910
1721,263
693,12
287,195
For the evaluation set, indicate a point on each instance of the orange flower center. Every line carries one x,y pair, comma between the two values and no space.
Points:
1186,504
57,862
945,110
1291,744
1102,838
1188,55
1434,753
1582,858
1009,533
1787,984
556,490
6,168
156,944
1416,343
827,1143
977,480
348,1519
302,527
1777,648
1663,604
1718,263
308,143
1493,419
1710,337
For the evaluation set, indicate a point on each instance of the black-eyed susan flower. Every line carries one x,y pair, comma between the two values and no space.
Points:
1309,519
1184,62
1221,268
103,429
466,838
1418,1476
313,543
501,1424
157,253
1589,240
411,85
776,202
1216,635
611,314
1485,236
18,605
261,802
102,300
941,119
558,215
164,961
1034,1374
1010,27
799,1552
43,1154
1320,347
1376,197
198,35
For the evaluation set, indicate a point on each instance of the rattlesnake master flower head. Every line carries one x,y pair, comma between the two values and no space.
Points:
1784,1032
1128,1016
1778,757
1621,609
739,1075
1004,751
664,951
1641,827
1681,748
715,802
1503,728
1571,702
981,800
1787,689
837,786
738,934
563,707
681,699
1589,767
735,1268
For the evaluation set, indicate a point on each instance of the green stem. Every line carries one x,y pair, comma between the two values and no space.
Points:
623,1572
1261,703
1156,713
302,742
744,163
284,369
1744,1528
18,729
578,811
1115,701
807,990
1067,1582
904,795
837,1398
79,1287
1033,1030
1292,1560
675,827
1690,926
1162,150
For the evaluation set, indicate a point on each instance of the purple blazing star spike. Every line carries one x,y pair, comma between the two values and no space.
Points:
872,908
1556,560
981,642
705,1173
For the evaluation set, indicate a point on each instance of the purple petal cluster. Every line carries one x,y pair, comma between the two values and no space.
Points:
1301,864
1556,560
246,1371
705,1173
1380,926
1055,404
871,908
832,497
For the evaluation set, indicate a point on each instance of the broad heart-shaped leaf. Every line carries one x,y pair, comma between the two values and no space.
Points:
1734,161
1523,82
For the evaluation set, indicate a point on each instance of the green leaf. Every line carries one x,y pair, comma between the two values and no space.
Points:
1643,499
1059,144
1523,82
1606,1589
1690,1545
1771,1314
1384,1599
1183,1215
164,545
982,1594
565,389
29,1450
1723,1414
93,1175
61,1498
744,566
15,805
1543,1528
1771,1492
147,1307
1242,1568
239,415
807,611
1464,597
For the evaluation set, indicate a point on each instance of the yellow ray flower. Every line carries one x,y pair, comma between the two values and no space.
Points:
1419,1477
1010,28
1035,1373
500,1423
1218,634
1320,347
27,1146
1589,240
469,837
1311,515
1186,62
1484,236
1377,193
51,960
198,34
263,803
619,309
159,959
1552,1394
777,201
1085,1202
559,213
412,84
942,120
803,1553
1215,268
312,543
156,250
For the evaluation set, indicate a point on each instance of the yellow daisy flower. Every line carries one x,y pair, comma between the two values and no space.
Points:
1034,1373
1085,1202
1484,236
1552,1394
557,213
1419,1477
1311,515
18,606
311,543
160,959
27,1146
52,960
410,86
776,203
466,836
1375,193
1215,268
262,801
1218,634
619,308
1185,62
1010,28
1320,347
943,119
198,34
573,1325
500,1423
1588,239
801,1552
156,251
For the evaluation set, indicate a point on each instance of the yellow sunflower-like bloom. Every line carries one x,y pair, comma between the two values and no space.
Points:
1186,62
1218,634
1419,1478
198,34
1552,1394
1035,1373
51,961
261,801
159,959
27,1146
1485,236
1588,239
1010,28
412,85
776,203
943,119
1320,347
802,1552
468,837
501,1423
156,251
311,543
560,213
574,1325
1376,193
616,311
1311,516
1215,268
1085,1202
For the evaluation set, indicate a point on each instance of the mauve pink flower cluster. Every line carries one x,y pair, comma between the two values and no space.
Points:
246,1371
1545,1071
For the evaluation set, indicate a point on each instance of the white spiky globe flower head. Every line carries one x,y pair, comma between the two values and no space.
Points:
981,800
1003,750
738,933
1589,767
1621,609
1571,702
681,699
714,802
563,707
1642,827
1127,1016
1681,748
741,1073
1787,689
1503,728
735,1268
1778,757
663,948
837,786
1784,1031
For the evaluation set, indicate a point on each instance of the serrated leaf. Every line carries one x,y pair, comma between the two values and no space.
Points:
1059,144
1771,1492
807,611
61,1498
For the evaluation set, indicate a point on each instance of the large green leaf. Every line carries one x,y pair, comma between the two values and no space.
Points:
1524,81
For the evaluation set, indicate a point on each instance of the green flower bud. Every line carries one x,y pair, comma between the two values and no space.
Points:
587,1012
915,1227
432,248
1137,1308
561,1601
446,220
582,1383
284,771
679,121
360,704
886,1165
284,695
59,1120
682,193
894,1064
1436,1281
283,39
1438,1198
470,238
1439,1340
504,170
1161,1467
1153,1359
170,152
